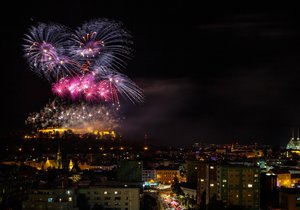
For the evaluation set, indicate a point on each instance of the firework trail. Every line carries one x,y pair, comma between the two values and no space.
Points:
103,40
76,116
46,50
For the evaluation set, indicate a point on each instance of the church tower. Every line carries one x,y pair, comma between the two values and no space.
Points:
294,143
59,159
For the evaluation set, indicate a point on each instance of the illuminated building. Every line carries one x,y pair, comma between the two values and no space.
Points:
206,183
239,185
59,132
148,174
283,177
231,184
294,144
166,174
192,167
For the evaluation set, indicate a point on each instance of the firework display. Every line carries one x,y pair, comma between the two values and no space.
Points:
85,68
87,62
46,50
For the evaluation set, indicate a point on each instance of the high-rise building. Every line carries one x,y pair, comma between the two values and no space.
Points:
191,173
228,184
239,185
207,183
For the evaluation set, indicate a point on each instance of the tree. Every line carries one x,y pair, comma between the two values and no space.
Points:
176,187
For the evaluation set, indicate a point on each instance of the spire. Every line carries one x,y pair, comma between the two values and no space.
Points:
58,158
71,165
293,134
298,134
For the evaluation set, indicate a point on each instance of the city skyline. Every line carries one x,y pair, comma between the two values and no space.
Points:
212,75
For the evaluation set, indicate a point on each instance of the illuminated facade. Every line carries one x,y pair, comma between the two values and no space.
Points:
283,178
59,132
239,185
166,174
232,184
207,182
148,175
294,143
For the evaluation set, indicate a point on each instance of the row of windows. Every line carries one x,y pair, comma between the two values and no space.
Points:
106,192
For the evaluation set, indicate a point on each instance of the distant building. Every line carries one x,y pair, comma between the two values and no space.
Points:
294,144
60,132
283,177
148,175
166,174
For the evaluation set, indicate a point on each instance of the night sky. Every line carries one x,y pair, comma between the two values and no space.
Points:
210,74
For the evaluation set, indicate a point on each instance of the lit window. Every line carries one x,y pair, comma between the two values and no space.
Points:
255,175
105,192
250,185
224,180
116,192
50,200
237,196
201,180
211,185
70,199
211,167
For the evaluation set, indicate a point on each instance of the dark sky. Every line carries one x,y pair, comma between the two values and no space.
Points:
212,74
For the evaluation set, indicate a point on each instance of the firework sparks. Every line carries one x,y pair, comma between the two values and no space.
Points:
107,86
46,50
103,40
83,116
